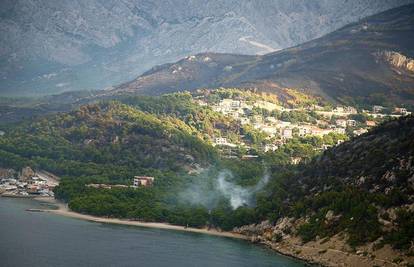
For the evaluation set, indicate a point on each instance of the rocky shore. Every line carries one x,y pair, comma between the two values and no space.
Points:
282,237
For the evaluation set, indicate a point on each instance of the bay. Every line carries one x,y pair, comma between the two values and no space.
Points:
45,239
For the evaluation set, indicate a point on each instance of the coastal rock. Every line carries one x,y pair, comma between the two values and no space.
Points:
283,227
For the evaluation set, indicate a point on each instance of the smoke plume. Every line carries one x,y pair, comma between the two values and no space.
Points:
210,188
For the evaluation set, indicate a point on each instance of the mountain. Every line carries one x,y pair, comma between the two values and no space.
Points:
366,62
50,47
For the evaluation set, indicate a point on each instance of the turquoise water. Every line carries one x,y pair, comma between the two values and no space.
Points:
44,239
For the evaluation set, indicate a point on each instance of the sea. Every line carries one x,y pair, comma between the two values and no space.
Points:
46,239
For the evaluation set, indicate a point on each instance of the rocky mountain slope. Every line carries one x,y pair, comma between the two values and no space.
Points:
49,46
353,205
370,61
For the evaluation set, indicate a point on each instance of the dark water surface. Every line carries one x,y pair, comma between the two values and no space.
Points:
44,239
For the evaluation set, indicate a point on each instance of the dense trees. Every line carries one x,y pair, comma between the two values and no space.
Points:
110,140
199,120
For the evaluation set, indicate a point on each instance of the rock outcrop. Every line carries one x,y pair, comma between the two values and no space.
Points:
397,60
333,251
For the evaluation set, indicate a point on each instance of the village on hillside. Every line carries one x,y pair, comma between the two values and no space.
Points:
279,124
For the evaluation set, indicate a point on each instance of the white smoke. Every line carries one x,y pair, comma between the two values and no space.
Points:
210,189
238,195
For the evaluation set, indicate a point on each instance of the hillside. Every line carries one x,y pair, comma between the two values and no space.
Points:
353,201
52,47
356,198
108,141
367,62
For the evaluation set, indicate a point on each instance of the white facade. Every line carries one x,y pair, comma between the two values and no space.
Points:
377,109
339,130
287,133
341,123
304,131
270,147
221,141
351,123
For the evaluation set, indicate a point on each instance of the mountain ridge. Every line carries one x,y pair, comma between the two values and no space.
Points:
61,46
341,65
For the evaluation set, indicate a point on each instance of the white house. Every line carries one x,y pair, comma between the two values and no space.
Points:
303,131
244,120
360,131
287,133
339,130
220,141
402,111
341,123
377,109
351,123
350,110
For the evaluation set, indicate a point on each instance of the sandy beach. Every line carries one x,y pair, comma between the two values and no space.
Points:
63,210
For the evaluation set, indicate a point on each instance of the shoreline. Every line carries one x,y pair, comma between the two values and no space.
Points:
287,250
63,210
310,255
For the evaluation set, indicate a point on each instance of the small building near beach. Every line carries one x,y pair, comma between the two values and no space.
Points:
143,181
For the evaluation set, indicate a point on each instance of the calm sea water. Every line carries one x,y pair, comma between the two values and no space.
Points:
43,239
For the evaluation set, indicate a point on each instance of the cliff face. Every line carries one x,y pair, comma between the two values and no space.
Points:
52,46
397,60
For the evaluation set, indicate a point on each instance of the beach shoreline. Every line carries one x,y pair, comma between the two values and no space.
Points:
63,210
309,255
